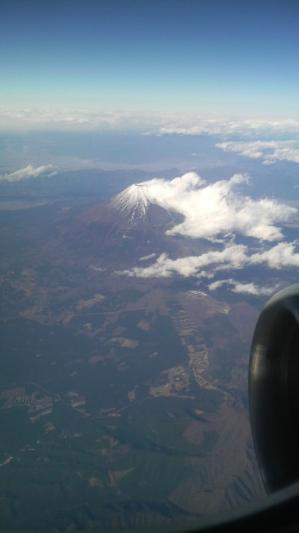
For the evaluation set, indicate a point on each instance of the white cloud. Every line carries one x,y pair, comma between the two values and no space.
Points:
252,288
242,288
268,151
232,257
206,265
147,257
218,284
283,255
212,211
216,212
28,172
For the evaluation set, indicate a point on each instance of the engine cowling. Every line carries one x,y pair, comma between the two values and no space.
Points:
274,389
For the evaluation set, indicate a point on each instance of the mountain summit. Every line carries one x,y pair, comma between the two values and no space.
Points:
133,202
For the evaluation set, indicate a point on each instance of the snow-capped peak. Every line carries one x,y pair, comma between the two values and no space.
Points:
133,202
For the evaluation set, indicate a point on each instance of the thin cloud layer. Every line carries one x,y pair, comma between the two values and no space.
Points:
218,126
57,119
28,172
212,211
268,151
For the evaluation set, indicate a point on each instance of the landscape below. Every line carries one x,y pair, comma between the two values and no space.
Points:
123,400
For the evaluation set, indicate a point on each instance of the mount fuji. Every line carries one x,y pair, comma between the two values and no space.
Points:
133,202
129,226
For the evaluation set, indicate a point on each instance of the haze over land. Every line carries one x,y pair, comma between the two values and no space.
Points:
136,293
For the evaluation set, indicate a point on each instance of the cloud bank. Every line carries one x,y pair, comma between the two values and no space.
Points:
218,212
218,126
212,211
28,172
89,118
268,151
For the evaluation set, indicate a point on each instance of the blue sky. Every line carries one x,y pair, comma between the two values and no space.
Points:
211,56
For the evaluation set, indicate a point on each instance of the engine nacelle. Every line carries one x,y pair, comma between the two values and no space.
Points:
274,389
